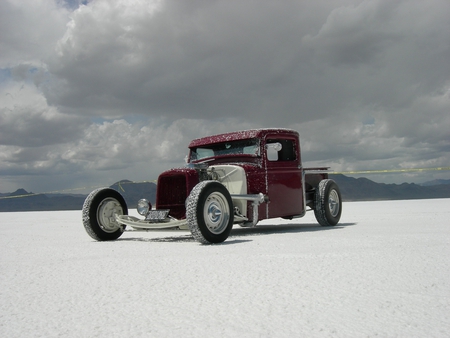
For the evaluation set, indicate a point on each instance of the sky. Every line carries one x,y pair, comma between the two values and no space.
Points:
92,92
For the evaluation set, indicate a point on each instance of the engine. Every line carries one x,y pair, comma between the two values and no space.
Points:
175,185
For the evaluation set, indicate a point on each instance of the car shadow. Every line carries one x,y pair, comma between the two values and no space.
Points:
169,239
179,239
268,229
236,233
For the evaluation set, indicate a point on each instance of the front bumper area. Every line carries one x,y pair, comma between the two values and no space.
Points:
142,224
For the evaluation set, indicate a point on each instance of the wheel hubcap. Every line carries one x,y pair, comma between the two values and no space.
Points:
216,213
333,203
106,214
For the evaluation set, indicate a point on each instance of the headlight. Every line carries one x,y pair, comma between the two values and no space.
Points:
143,207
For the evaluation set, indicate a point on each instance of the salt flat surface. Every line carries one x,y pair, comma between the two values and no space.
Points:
384,271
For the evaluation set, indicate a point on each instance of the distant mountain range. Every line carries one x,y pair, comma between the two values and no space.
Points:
21,200
363,189
352,189
435,182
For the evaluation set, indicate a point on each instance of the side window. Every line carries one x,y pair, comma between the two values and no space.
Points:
280,150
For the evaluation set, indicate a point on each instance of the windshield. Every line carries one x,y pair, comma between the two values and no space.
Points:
240,147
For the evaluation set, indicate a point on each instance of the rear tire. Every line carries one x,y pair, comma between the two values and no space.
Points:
209,212
99,210
328,203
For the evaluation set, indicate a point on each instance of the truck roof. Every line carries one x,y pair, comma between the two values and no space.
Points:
240,135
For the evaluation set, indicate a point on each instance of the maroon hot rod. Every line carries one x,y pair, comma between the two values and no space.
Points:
235,178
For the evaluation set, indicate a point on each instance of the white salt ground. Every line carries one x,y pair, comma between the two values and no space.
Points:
384,271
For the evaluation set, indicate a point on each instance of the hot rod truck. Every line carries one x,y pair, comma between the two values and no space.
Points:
235,178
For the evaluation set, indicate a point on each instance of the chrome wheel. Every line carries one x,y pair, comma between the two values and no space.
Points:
333,203
327,203
106,212
99,211
209,212
216,213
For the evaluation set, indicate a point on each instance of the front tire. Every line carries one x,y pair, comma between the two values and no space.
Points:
209,212
328,203
99,210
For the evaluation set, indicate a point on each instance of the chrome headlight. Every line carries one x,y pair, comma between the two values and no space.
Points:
143,207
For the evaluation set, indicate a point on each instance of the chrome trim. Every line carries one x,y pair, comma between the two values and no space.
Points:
137,223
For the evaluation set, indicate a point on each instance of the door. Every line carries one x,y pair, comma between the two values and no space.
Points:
284,176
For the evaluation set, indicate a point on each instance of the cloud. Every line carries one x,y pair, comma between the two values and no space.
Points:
27,121
181,60
355,35
242,59
103,90
29,30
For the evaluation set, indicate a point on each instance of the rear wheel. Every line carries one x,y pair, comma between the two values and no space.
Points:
328,203
209,212
99,210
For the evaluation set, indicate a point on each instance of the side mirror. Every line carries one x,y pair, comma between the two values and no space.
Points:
272,150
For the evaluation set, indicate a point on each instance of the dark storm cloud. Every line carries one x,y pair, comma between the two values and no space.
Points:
191,59
249,59
38,129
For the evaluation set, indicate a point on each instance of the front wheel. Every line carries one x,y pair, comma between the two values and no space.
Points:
209,212
99,210
328,203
